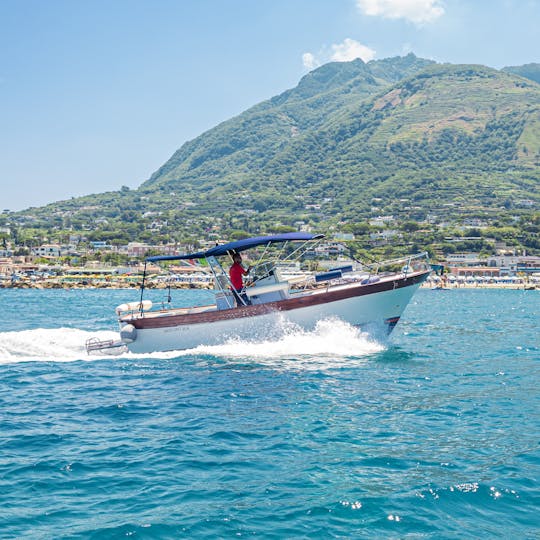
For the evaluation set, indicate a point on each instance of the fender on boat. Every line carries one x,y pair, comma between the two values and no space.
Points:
134,306
128,333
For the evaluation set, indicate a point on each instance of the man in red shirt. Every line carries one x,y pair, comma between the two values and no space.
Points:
236,273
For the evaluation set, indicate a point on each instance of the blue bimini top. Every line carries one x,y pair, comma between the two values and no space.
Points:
240,245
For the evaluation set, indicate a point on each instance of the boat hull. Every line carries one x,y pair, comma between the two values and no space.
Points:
380,304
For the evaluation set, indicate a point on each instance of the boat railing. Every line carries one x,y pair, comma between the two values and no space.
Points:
405,265
342,275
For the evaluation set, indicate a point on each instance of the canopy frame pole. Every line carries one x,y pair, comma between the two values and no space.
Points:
214,261
263,253
211,262
278,256
302,246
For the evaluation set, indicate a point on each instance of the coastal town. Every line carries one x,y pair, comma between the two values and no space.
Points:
101,265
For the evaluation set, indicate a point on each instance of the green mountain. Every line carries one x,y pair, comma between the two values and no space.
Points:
401,136
441,134
529,71
253,139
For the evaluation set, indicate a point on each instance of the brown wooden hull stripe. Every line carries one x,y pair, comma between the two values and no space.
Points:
282,305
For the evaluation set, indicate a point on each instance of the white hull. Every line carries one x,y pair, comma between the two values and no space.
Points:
382,308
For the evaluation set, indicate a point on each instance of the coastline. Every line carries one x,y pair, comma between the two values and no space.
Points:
61,283
100,284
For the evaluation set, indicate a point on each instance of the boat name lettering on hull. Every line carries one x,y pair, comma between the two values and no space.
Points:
177,329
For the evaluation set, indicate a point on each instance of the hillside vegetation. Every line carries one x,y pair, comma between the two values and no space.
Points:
433,145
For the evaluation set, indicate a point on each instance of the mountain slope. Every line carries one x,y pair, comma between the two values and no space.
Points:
450,133
252,139
432,130
401,136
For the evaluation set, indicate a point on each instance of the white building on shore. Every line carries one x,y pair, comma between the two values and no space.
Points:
47,250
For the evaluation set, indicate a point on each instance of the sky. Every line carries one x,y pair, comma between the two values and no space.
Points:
96,95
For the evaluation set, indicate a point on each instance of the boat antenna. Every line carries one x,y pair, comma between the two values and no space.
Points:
142,288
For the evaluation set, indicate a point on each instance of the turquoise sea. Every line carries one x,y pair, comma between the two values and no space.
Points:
328,434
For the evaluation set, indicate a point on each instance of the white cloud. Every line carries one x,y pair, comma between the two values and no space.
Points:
416,11
346,51
406,48
309,61
351,49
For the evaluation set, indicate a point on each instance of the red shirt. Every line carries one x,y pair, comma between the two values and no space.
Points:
235,273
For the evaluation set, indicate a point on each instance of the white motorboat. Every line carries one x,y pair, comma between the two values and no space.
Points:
374,295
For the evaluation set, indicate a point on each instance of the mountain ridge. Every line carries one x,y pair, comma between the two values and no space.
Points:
528,71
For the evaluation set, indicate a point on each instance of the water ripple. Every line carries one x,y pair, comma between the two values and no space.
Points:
432,435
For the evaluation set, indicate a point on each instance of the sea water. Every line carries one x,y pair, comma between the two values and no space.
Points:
325,434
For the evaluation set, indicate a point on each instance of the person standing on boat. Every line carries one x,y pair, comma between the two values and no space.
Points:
236,274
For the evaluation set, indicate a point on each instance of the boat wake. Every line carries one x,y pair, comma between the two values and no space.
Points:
332,340
47,345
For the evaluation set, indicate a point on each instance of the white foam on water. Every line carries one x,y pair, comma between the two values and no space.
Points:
46,345
330,337
331,344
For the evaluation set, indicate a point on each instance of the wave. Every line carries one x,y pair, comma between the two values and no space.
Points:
330,341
